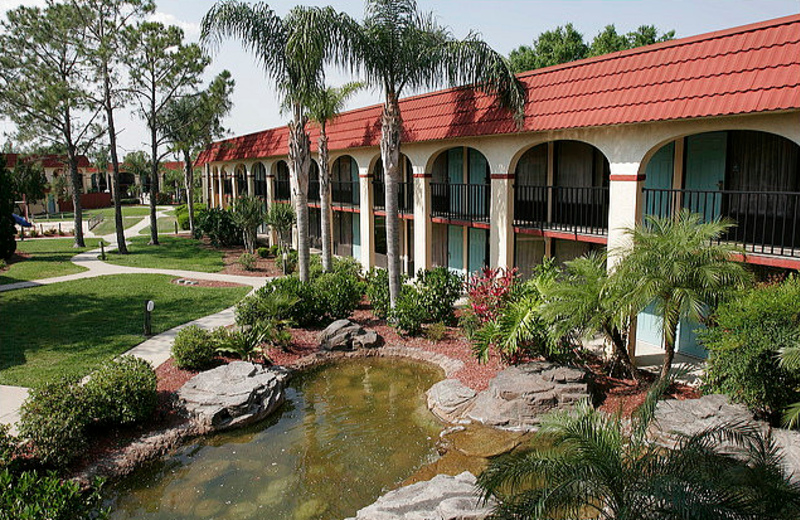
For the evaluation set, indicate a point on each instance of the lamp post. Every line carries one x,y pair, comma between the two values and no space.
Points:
148,310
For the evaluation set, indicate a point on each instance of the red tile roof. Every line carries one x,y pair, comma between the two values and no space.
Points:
752,68
48,160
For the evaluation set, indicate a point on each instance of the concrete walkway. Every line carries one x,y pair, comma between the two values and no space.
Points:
157,349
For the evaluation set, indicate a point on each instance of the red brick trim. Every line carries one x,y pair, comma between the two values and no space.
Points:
771,261
423,175
366,176
403,216
593,239
630,178
345,209
501,176
467,223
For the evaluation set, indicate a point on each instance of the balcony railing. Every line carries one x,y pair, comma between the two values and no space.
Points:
767,222
345,193
576,210
282,190
467,202
405,195
313,191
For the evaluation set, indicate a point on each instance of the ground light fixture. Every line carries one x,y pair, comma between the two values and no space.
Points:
149,305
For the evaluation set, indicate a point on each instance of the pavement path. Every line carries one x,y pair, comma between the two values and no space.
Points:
157,349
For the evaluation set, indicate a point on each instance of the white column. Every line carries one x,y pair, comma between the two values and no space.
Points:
423,226
273,237
625,206
220,188
501,216
251,187
366,218
235,183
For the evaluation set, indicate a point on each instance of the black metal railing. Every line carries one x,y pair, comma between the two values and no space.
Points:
582,209
313,191
405,195
767,222
345,193
467,202
283,191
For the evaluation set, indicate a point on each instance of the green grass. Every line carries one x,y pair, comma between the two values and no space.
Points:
173,253
68,328
50,258
131,215
165,225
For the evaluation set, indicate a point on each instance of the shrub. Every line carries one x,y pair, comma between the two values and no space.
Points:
121,391
408,313
744,338
31,496
129,201
182,214
339,293
266,304
53,418
378,291
193,348
308,309
263,252
247,261
218,225
8,446
348,266
489,290
438,291
436,332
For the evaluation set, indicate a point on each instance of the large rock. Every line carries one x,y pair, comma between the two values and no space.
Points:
441,498
674,418
518,396
234,394
346,335
449,398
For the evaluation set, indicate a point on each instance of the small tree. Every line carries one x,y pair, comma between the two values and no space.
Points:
679,264
248,214
281,218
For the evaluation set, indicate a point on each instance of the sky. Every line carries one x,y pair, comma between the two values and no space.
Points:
504,24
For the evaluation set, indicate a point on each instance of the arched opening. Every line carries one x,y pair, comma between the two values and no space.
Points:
283,191
405,188
405,195
260,180
345,196
240,177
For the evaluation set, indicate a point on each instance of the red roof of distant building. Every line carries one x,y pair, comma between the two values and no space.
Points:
173,165
47,160
747,69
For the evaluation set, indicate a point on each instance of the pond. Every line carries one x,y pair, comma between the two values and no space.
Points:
347,433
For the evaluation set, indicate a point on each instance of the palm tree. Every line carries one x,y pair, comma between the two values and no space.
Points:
291,50
680,264
323,108
248,213
586,301
281,218
599,466
790,360
397,47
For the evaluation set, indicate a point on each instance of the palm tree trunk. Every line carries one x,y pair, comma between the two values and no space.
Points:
119,226
621,356
300,164
391,130
325,203
189,178
670,335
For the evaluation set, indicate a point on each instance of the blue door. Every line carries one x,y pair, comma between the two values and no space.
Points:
705,171
455,176
356,236
51,203
687,339
477,249
455,249
659,174
648,327
478,204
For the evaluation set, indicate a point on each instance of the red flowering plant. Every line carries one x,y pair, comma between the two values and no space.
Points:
489,290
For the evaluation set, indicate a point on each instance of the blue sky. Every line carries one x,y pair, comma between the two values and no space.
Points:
505,24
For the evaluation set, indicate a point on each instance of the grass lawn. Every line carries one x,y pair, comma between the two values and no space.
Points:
165,225
131,215
173,253
50,258
66,329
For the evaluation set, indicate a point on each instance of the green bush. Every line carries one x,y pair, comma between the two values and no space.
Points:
266,304
339,293
31,496
436,332
348,266
8,446
182,214
121,391
193,348
408,314
744,337
263,252
247,261
54,419
129,202
218,225
438,290
308,309
378,291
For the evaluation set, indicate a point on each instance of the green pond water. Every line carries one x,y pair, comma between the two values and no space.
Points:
347,433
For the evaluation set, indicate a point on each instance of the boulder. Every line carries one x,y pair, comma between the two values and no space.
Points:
518,396
449,398
441,498
234,394
346,335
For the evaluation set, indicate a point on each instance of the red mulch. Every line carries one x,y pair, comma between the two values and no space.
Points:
263,266
206,283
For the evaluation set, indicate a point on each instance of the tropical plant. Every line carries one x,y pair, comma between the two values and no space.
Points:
161,68
281,218
790,360
585,301
409,314
218,225
488,291
679,264
121,391
248,214
599,466
323,107
248,343
31,495
397,47
437,291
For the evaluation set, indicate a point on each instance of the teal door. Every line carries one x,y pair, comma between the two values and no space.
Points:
455,249
477,249
659,177
355,180
648,326
455,175
705,171
356,236
687,339
51,203
477,175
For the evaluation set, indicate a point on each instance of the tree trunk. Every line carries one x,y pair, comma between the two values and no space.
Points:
300,164
189,177
621,353
77,189
119,225
153,177
391,130
325,202
670,333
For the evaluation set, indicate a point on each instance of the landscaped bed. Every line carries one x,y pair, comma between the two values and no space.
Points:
82,323
40,258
